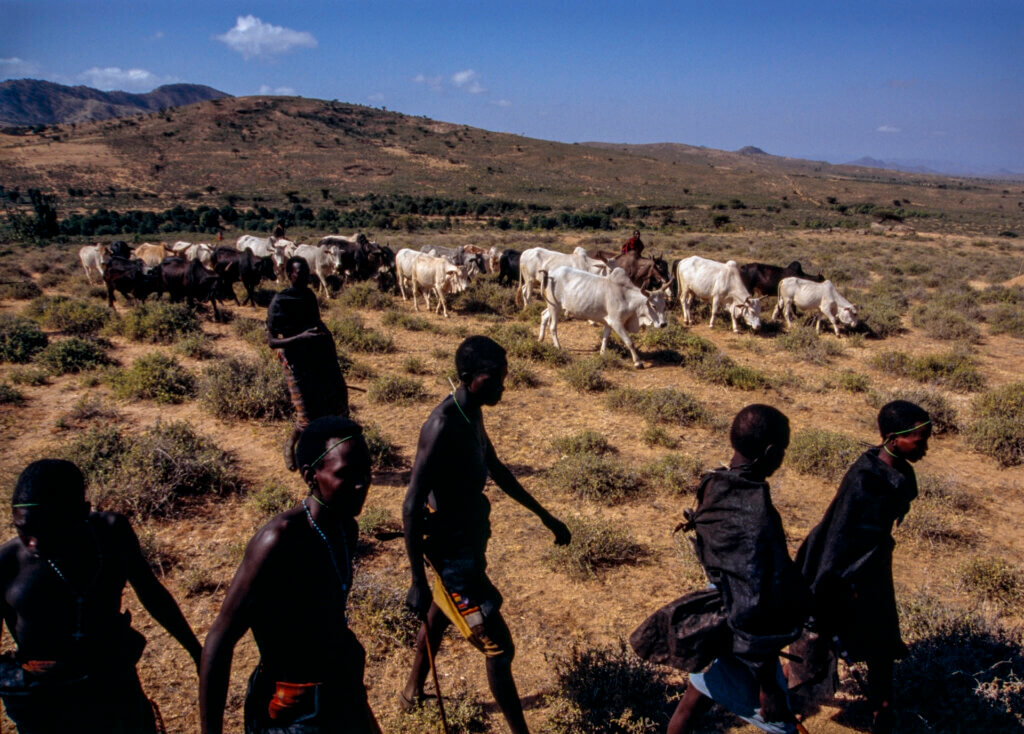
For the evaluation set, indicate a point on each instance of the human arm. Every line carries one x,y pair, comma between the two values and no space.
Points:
504,478
229,626
275,342
153,595
418,599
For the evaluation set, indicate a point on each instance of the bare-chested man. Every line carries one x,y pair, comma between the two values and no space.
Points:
446,503
291,591
62,581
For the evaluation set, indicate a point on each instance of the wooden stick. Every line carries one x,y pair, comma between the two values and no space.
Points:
437,686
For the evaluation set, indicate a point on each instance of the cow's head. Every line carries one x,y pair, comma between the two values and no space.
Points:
461,273
848,315
749,309
652,313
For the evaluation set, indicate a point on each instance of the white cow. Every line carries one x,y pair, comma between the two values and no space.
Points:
719,283
92,257
272,247
200,251
806,294
613,301
436,275
536,259
404,261
492,257
324,261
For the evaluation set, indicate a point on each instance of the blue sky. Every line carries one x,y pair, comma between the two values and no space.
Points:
938,81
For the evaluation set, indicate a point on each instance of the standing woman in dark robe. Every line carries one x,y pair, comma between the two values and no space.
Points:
307,352
847,558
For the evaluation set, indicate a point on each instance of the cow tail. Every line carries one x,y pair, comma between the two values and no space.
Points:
519,289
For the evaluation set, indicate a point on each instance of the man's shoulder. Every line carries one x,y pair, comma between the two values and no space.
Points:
277,530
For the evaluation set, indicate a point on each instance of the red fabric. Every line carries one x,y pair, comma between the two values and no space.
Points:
633,243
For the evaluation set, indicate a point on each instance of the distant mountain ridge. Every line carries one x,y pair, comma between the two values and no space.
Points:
37,102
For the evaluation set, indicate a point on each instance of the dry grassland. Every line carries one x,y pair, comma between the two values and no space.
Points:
548,611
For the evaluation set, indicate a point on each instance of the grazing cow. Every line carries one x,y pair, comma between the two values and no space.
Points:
129,278
437,275
231,266
806,294
119,248
190,280
151,255
492,258
536,259
458,256
92,257
613,301
508,267
762,279
324,261
719,283
341,240
272,247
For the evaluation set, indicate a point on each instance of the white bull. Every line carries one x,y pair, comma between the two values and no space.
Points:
272,247
613,301
200,251
92,257
536,259
404,260
324,261
719,283
436,275
805,294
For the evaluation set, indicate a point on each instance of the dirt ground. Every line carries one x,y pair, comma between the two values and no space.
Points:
547,611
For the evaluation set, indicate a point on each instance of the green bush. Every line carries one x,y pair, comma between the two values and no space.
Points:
271,499
804,342
678,473
73,354
586,375
655,435
365,295
377,519
20,290
154,377
410,322
824,454
195,346
88,408
377,613
939,322
954,369
701,358
1006,318
851,381
931,520
941,412
584,442
10,395
20,339
996,426
68,315
520,375
486,296
595,544
608,690
384,453
993,578
592,477
245,388
415,366
660,405
519,341
157,323
984,694
30,376
396,389
155,472
463,713
252,331
349,332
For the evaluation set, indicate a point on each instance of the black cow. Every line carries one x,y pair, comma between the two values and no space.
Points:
190,280
232,266
127,277
119,248
508,267
762,279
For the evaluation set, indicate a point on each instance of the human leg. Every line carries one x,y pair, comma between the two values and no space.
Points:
430,633
880,684
495,635
691,707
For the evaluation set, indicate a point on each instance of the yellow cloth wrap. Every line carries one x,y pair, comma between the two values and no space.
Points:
478,637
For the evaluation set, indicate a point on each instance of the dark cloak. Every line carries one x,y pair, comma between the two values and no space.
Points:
847,558
312,362
742,546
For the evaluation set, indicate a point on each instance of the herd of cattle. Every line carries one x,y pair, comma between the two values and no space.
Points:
623,292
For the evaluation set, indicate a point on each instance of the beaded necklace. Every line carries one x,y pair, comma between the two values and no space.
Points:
79,597
343,579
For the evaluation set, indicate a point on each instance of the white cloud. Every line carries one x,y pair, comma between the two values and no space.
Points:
468,80
431,82
251,37
15,67
281,91
887,129
129,80
501,103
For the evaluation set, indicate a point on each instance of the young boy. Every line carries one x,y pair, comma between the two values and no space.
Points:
62,580
847,558
291,590
742,546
